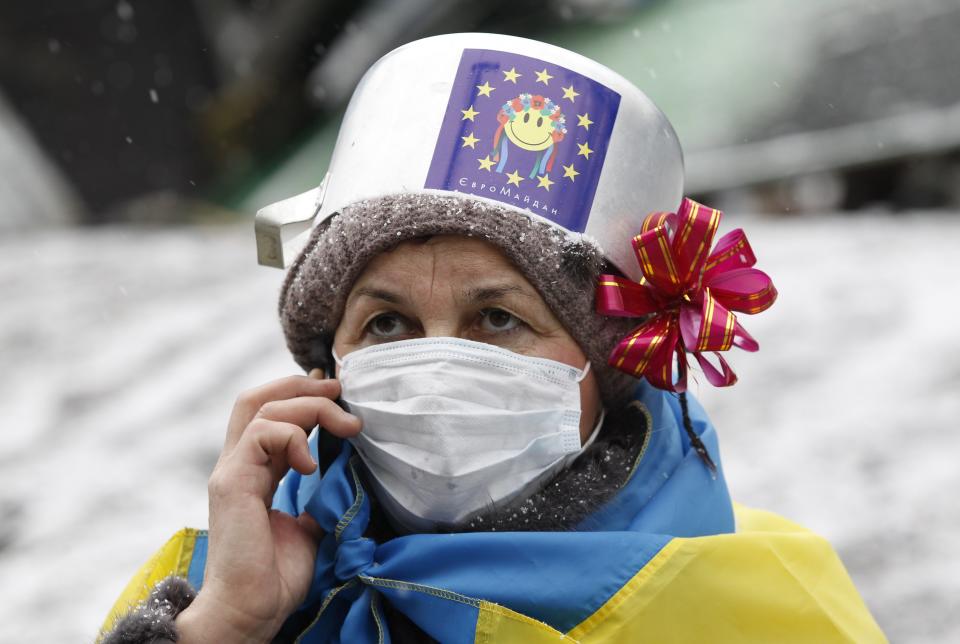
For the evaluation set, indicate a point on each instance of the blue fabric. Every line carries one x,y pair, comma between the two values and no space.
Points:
198,560
438,580
671,492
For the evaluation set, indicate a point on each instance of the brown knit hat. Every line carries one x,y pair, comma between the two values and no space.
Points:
562,268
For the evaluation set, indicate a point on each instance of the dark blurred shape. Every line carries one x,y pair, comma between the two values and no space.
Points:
376,28
382,25
878,119
110,89
11,518
889,59
136,97
32,190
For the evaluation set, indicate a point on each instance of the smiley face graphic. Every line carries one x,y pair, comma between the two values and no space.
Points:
531,131
530,122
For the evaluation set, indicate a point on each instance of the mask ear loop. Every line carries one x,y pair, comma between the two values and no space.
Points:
603,413
583,374
337,362
327,445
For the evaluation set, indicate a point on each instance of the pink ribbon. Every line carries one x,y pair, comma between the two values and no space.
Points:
690,295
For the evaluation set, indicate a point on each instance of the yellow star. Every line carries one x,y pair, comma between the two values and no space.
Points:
584,150
570,172
469,140
469,113
512,75
569,92
485,163
544,77
485,89
514,178
544,182
584,120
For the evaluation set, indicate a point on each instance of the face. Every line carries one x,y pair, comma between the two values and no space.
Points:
530,130
459,287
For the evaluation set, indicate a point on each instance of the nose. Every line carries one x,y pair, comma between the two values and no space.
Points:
442,328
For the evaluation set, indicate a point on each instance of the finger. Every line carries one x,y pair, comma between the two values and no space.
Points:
264,454
310,411
250,401
280,446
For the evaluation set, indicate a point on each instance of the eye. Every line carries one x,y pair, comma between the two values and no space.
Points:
539,121
526,117
498,321
388,325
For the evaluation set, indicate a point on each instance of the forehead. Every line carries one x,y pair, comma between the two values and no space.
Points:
469,270
449,256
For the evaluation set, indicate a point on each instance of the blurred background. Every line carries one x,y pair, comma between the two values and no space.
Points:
138,138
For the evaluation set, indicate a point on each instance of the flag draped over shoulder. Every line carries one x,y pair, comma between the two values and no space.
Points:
669,558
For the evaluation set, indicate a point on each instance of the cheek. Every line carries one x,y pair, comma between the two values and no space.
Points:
562,349
589,405
567,351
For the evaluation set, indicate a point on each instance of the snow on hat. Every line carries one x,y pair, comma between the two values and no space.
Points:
546,154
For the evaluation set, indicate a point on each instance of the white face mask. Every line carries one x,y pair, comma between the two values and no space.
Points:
452,426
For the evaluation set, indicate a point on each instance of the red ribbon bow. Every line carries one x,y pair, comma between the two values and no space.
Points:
690,294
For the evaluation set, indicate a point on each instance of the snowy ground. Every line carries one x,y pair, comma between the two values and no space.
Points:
123,350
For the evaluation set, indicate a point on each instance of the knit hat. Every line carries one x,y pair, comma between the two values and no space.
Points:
563,271
547,155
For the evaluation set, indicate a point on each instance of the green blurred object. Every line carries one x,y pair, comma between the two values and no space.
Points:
698,60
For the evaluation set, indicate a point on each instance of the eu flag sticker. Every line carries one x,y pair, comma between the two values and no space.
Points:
525,132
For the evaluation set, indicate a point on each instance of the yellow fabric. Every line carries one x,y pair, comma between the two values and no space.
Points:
497,623
771,581
172,559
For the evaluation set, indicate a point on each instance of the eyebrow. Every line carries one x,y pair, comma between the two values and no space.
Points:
495,292
378,294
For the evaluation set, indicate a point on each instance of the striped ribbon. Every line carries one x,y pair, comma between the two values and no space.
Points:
687,296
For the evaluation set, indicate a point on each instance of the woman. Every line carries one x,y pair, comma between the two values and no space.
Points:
507,453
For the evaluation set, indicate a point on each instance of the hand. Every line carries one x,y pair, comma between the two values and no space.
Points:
260,561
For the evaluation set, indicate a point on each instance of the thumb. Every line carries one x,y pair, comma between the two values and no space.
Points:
310,525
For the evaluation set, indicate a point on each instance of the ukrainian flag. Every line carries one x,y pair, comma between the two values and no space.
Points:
668,559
